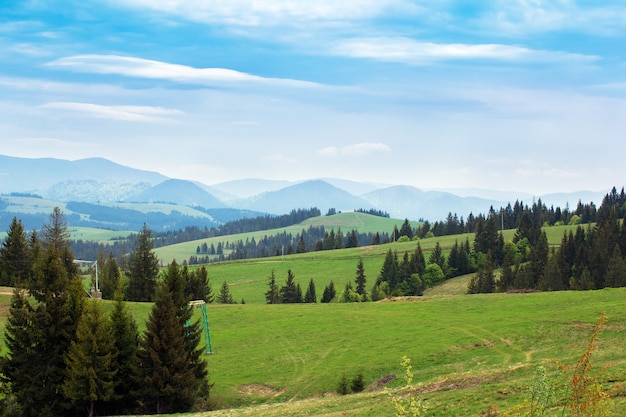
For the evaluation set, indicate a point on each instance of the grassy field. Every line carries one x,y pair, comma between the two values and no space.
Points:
468,352
248,278
361,222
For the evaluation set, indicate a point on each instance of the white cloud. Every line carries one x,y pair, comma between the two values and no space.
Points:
128,113
364,148
145,68
410,51
523,17
270,12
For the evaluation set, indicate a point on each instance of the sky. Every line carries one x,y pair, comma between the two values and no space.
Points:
517,95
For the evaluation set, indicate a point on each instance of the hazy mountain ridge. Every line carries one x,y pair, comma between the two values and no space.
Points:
314,193
99,181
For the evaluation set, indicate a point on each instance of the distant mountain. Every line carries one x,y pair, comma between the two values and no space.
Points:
39,175
314,193
249,187
91,191
404,201
101,182
181,192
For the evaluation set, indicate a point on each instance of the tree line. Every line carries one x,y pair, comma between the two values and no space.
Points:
67,355
591,257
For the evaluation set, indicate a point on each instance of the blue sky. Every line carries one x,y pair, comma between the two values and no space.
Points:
522,95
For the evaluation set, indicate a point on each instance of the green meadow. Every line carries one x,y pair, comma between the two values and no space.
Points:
468,352
248,278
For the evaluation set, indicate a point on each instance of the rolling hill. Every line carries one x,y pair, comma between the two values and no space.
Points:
314,193
102,182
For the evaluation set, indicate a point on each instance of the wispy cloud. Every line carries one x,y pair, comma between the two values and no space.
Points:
270,12
128,113
364,148
410,51
145,68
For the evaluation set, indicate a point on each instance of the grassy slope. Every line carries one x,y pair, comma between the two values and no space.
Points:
248,278
363,223
468,352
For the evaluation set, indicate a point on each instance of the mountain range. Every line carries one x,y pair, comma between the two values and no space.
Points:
98,181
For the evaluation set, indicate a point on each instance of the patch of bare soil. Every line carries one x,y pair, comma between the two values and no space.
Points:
401,299
260,390
449,384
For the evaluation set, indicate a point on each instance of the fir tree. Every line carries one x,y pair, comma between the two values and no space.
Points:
289,291
90,360
44,330
360,280
15,256
484,280
329,293
109,277
173,374
272,296
143,268
616,269
437,257
406,229
126,343
310,296
224,296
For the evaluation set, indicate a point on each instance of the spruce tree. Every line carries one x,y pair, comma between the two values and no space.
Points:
360,280
616,269
109,276
310,296
91,360
143,268
21,339
172,372
272,296
406,229
224,296
289,291
15,256
329,293
126,343
43,331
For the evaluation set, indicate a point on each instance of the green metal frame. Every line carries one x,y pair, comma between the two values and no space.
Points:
205,321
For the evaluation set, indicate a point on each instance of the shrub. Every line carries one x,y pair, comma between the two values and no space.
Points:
357,384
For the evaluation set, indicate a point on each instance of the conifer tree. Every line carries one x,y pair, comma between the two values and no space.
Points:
45,329
109,277
173,373
15,256
143,268
197,285
329,293
484,280
90,360
126,343
224,296
418,260
310,296
616,269
437,257
360,280
289,291
272,296
406,229
21,338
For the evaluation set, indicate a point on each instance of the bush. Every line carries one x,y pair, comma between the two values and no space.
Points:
342,387
357,384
